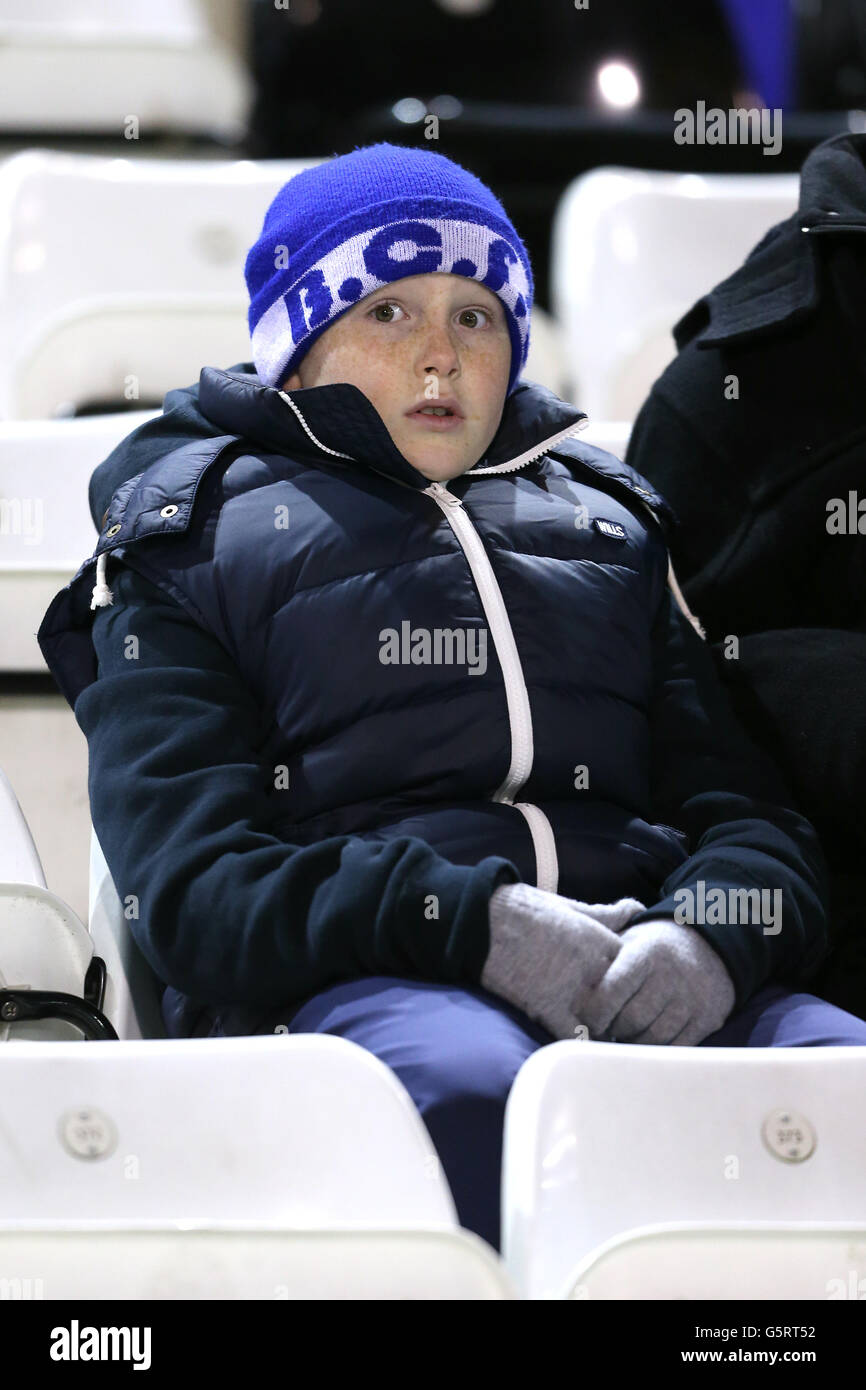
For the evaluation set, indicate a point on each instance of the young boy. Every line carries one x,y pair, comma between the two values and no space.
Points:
396,729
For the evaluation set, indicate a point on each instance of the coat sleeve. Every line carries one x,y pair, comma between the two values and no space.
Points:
711,781
224,911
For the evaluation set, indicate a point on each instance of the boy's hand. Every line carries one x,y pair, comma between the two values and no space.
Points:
548,953
666,985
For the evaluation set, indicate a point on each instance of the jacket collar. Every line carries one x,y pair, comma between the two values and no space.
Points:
778,282
339,423
534,422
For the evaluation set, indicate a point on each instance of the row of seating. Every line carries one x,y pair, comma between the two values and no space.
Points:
628,1172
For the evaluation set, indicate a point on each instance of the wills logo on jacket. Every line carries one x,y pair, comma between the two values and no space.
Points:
612,529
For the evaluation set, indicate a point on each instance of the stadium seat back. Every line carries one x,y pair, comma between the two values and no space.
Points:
632,251
602,1138
121,278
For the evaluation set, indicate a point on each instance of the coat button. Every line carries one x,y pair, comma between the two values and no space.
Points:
169,510
113,530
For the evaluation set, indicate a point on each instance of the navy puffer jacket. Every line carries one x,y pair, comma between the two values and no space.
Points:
360,700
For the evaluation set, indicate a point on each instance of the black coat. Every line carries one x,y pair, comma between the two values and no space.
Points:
751,433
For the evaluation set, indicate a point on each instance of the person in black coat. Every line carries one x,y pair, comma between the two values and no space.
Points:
756,434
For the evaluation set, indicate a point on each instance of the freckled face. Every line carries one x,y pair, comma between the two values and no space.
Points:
392,344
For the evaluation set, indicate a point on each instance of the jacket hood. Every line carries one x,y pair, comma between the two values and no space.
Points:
778,283
304,423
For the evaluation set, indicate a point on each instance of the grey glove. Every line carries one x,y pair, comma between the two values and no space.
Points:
666,985
548,953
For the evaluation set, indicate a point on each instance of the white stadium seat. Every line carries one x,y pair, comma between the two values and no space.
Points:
287,1166
132,993
740,1260
19,857
121,278
631,252
611,435
602,1139
43,944
231,1167
546,361
46,530
86,66
246,1261
209,1145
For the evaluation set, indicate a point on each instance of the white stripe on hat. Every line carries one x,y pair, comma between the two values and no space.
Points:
314,298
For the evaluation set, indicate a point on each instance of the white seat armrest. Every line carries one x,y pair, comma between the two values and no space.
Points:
19,859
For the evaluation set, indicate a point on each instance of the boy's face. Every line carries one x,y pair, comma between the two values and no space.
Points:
398,339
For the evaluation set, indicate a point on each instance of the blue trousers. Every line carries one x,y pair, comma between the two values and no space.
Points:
457,1052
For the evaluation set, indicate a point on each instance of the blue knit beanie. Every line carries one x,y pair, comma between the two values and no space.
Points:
337,232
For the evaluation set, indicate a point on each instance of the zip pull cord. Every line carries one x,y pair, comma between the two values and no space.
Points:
102,595
678,595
